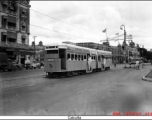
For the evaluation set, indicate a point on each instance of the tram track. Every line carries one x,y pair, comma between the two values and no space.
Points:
10,102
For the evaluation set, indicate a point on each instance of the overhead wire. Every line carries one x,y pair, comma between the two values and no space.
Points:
64,22
137,13
59,32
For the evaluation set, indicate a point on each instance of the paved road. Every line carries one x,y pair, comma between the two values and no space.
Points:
21,74
99,93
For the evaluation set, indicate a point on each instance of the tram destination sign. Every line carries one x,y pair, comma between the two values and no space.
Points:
49,60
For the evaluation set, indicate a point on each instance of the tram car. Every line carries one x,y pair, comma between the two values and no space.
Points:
66,59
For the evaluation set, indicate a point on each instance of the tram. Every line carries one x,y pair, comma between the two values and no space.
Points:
66,59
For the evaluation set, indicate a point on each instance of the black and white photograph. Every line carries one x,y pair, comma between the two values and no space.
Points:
75,58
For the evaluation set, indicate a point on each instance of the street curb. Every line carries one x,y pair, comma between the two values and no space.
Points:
147,79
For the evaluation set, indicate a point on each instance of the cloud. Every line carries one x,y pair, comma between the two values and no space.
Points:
92,16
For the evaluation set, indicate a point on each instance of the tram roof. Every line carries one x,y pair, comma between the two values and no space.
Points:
63,45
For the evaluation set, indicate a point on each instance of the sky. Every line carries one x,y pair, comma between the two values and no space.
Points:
84,21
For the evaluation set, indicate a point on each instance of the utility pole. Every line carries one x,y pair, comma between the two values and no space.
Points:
124,43
34,46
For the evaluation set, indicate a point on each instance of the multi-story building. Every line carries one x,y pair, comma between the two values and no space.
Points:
95,46
14,29
39,51
117,52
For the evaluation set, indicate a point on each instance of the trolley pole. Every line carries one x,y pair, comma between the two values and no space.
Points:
125,45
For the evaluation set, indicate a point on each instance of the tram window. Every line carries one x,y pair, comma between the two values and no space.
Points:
92,57
72,56
81,57
52,51
76,57
85,57
68,56
99,58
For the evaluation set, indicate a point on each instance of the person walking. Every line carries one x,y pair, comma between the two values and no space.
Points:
115,62
142,63
137,64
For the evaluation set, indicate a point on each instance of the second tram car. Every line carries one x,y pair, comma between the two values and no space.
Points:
66,59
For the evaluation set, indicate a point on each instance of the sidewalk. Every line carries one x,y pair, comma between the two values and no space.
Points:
148,76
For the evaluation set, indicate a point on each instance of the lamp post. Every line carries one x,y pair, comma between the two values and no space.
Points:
34,46
130,46
124,42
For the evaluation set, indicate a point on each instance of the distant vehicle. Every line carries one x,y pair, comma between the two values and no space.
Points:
71,59
8,64
33,65
133,61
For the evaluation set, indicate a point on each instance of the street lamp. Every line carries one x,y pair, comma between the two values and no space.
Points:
124,42
34,46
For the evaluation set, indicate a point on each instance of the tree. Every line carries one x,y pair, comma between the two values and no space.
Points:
132,44
106,43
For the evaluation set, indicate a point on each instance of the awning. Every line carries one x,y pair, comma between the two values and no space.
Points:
11,19
26,53
11,35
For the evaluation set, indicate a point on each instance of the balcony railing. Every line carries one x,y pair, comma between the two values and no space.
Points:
15,45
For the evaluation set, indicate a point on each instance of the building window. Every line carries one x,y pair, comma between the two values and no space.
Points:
11,26
23,40
23,13
5,6
3,37
23,28
11,23
11,37
12,8
4,22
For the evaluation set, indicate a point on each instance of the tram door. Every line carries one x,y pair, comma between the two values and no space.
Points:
62,56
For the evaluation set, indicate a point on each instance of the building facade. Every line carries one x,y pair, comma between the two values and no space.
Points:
14,29
117,52
39,52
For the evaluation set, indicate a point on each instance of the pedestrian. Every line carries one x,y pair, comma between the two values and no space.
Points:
114,62
142,63
89,62
103,62
137,64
